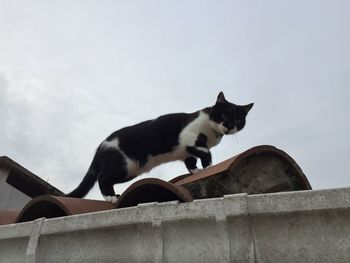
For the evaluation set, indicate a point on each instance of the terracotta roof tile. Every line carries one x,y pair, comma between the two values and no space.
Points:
262,169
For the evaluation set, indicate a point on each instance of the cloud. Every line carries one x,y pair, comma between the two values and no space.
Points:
72,73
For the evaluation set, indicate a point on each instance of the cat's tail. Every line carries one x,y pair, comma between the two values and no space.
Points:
88,181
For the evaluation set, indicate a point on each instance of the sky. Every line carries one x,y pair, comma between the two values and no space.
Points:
72,72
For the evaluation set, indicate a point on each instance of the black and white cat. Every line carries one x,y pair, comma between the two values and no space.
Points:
134,150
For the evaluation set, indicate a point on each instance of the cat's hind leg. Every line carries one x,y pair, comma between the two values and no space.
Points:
113,171
106,187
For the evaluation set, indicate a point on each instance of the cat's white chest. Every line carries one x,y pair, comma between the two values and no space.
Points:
201,124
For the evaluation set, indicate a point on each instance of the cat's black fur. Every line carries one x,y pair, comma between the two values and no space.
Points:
136,149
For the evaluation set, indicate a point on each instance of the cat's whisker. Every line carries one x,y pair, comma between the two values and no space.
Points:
236,137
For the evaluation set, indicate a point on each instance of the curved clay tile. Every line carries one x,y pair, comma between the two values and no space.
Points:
8,216
262,169
152,190
56,206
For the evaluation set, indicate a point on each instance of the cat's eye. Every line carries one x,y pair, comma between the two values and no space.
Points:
223,116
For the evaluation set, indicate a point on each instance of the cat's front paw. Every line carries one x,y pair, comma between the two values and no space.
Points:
194,171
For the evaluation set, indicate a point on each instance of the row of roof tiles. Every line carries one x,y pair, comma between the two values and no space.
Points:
262,169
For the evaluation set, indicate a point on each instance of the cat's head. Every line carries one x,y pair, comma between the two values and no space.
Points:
226,117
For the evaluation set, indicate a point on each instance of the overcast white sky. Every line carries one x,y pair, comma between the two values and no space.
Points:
72,72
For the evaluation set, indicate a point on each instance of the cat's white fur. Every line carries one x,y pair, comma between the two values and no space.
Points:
111,199
202,124
187,137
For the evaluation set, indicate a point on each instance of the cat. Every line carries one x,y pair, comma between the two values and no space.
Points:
134,150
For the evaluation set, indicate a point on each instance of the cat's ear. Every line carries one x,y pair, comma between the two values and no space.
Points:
221,98
248,107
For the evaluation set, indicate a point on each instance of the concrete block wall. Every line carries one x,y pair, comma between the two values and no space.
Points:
305,226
